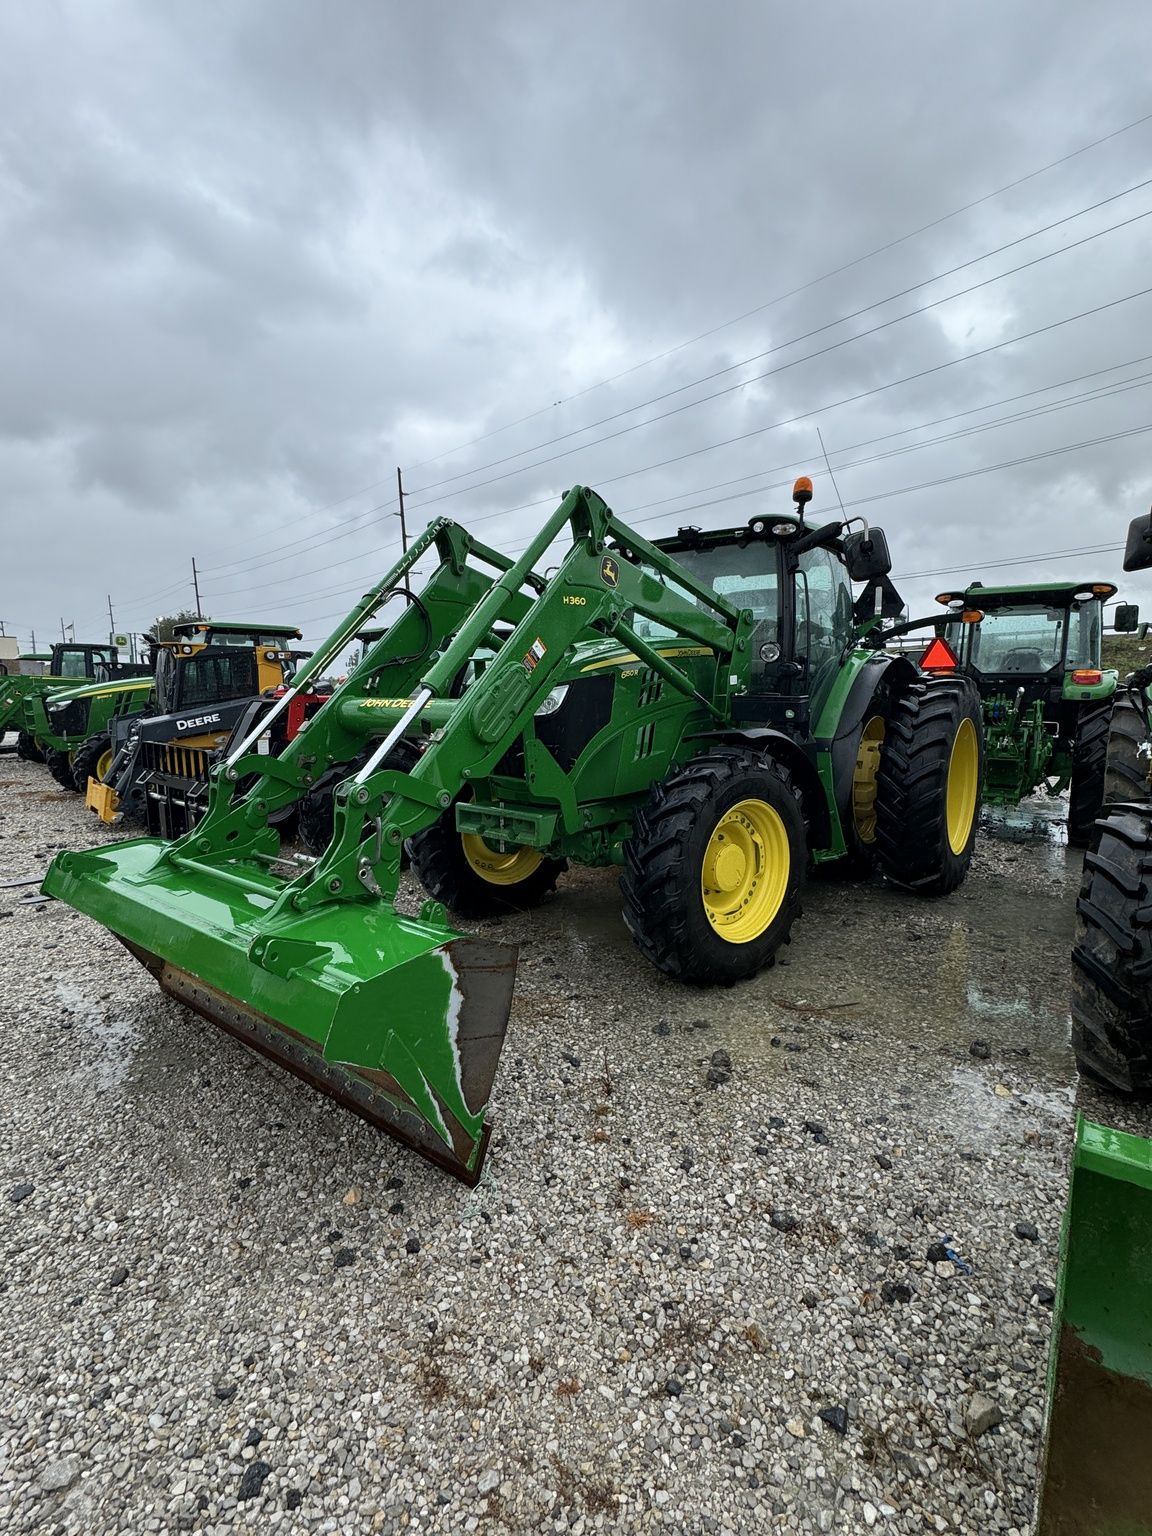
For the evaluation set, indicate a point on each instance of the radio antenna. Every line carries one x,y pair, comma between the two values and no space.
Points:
828,467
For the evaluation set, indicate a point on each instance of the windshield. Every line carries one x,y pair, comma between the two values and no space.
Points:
747,577
1026,639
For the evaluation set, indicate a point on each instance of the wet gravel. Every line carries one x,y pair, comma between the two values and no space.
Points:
778,1257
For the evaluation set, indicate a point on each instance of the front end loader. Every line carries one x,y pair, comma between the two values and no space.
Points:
206,677
708,712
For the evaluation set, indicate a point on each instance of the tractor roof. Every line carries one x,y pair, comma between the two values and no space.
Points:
1053,594
239,626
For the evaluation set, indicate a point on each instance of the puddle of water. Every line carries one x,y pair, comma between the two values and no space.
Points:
118,1039
988,1118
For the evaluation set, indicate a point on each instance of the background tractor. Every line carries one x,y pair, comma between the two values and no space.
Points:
70,662
205,679
1034,656
709,713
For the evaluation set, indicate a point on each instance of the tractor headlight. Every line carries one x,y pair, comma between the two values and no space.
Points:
770,651
554,700
785,530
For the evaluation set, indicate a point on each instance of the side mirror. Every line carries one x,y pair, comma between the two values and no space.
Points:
866,555
1126,619
1138,550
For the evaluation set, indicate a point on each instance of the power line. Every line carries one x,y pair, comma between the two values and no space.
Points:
713,330
820,329
1013,418
831,405
791,293
782,367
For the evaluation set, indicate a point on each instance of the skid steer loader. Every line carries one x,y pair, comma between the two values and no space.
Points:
708,712
205,678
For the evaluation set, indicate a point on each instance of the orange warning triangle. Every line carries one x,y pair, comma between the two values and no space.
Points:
939,657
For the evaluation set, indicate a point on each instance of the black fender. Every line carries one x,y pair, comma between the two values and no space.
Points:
885,675
801,765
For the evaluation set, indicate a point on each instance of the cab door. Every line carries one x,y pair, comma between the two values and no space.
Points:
822,622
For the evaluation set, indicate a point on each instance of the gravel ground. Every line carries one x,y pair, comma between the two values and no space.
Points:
669,1305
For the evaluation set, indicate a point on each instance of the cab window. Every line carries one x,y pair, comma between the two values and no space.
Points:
823,614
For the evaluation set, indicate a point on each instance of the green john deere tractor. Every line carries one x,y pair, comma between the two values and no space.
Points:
70,663
709,713
1034,655
63,720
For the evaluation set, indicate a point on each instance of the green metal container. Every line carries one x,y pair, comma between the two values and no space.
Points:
1098,1477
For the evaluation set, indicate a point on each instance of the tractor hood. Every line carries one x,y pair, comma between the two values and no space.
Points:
98,690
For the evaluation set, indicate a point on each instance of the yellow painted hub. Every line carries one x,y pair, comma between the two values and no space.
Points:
744,878
104,763
508,868
963,784
864,779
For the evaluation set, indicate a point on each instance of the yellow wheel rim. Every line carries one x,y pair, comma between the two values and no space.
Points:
497,868
963,783
103,764
744,878
864,779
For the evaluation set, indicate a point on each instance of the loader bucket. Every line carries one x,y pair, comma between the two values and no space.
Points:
400,1019
1098,1479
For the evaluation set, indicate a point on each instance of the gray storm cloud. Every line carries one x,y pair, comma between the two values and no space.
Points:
252,257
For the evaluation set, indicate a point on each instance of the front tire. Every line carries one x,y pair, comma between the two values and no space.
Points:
60,767
1089,762
475,880
928,786
28,748
1112,952
92,761
714,868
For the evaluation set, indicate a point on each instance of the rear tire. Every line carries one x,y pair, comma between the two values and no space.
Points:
1112,952
928,786
87,762
28,748
1127,759
60,767
441,864
1089,758
706,905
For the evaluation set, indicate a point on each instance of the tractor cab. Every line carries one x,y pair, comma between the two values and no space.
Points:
796,579
1041,641
211,661
92,662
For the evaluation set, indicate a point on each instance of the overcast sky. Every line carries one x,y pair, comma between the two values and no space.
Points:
256,253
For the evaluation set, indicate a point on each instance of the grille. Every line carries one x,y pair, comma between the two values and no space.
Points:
190,763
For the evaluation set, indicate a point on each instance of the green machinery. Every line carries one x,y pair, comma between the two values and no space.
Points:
70,662
1034,655
1098,1476
708,712
63,720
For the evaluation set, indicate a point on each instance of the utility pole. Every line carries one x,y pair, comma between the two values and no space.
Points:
33,642
403,521
111,620
63,636
196,587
